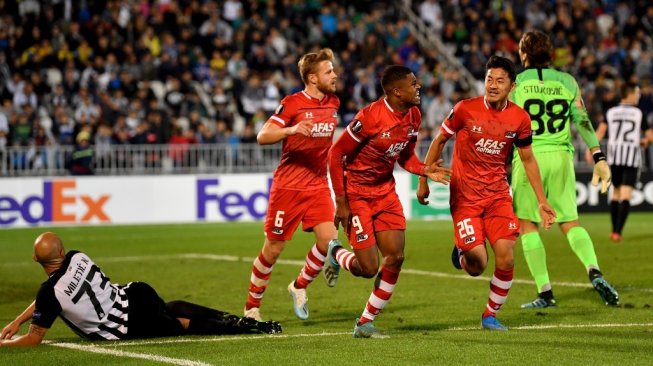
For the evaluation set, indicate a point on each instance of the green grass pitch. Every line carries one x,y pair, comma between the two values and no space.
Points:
433,317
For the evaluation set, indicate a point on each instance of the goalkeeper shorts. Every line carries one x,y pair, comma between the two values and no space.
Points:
559,181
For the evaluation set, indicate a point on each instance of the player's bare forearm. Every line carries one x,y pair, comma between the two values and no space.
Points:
13,327
601,131
32,338
271,133
435,149
343,213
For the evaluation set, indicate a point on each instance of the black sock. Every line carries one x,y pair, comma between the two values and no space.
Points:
184,309
614,214
624,208
594,273
546,295
215,326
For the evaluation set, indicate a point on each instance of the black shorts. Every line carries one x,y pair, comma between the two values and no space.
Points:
624,175
147,314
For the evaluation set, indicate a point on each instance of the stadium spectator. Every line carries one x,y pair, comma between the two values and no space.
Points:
99,310
624,126
119,45
367,205
305,122
553,100
81,159
486,130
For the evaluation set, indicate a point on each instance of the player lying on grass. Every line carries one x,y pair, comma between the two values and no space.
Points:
96,309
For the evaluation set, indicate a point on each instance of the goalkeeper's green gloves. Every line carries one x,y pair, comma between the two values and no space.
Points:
601,172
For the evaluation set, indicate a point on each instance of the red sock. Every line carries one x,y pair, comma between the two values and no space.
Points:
312,267
380,296
499,287
258,281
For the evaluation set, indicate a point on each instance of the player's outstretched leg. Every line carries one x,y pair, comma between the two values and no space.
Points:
331,267
544,299
608,294
299,301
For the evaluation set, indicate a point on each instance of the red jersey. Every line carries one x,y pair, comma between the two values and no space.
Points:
484,139
303,158
377,138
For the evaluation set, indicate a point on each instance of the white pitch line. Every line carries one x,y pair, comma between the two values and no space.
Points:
232,258
564,326
307,335
225,338
142,356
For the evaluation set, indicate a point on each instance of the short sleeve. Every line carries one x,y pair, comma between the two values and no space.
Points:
453,123
284,114
525,133
360,128
525,130
47,308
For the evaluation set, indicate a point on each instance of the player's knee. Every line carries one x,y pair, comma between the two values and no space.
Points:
394,260
273,249
369,271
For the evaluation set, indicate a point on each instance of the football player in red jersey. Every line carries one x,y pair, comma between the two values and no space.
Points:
486,129
305,122
367,204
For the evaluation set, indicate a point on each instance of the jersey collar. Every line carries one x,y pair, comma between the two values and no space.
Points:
488,107
315,100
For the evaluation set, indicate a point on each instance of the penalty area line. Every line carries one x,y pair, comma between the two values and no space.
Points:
119,353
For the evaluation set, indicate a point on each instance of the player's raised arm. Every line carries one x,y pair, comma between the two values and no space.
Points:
271,133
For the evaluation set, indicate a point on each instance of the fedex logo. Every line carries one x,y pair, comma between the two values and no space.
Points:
231,204
53,206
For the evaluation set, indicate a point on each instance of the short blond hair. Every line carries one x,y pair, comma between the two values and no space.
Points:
308,63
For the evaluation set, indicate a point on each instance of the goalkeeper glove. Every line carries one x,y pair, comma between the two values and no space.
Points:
601,172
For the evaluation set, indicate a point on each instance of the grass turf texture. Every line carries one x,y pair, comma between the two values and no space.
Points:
432,318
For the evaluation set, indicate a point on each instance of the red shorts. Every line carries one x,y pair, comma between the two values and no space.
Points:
494,220
287,208
371,215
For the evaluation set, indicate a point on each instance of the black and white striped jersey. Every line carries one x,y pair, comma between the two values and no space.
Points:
84,298
625,126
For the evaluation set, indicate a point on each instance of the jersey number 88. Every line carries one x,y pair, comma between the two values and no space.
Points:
556,111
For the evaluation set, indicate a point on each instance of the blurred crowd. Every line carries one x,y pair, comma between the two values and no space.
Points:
603,43
121,72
